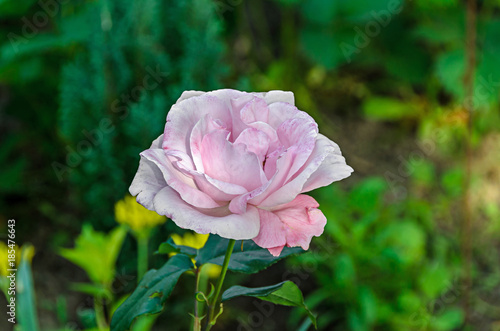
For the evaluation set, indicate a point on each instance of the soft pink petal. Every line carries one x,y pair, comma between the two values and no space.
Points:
228,94
256,142
332,169
281,111
251,110
204,126
184,115
218,221
283,165
299,132
292,224
230,163
295,130
189,94
223,94
216,189
269,97
276,251
229,188
255,110
271,163
184,185
279,96
238,205
237,105
272,230
148,180
269,131
296,184
303,221
298,136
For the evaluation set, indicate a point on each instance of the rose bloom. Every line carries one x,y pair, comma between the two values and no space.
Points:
236,164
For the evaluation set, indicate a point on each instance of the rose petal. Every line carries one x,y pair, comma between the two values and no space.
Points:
238,205
283,164
272,230
256,142
298,136
240,227
184,115
230,163
281,111
228,94
271,162
292,224
279,96
216,189
255,110
223,94
269,97
301,133
276,251
303,221
184,185
295,185
237,105
204,126
332,169
189,94
148,180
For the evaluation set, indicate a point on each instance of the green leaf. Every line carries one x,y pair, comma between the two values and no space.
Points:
154,289
96,253
450,68
144,323
368,304
170,247
367,195
249,258
434,280
406,239
387,109
345,271
442,28
452,181
285,293
26,294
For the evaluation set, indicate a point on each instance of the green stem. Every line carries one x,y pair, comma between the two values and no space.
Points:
196,324
99,314
142,256
215,298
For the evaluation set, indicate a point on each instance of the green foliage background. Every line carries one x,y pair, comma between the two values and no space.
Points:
77,105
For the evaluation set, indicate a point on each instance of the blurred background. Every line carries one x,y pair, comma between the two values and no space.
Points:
413,236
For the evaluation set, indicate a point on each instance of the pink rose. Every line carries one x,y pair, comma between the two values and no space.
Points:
236,164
